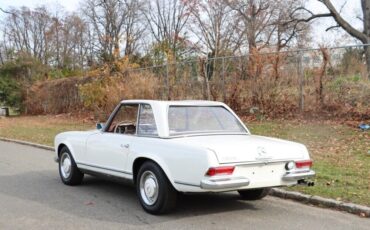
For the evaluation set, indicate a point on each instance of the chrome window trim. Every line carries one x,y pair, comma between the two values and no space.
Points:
113,115
205,133
155,122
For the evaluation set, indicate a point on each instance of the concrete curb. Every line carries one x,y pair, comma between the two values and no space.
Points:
46,147
281,193
357,209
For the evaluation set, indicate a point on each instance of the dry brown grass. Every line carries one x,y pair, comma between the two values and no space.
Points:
330,91
102,95
41,129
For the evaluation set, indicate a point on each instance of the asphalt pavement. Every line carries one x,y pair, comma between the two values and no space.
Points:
33,197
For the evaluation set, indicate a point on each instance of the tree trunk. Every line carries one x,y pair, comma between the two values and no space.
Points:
276,66
203,73
367,59
365,4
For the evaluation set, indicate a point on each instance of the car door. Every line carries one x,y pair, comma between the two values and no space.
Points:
107,151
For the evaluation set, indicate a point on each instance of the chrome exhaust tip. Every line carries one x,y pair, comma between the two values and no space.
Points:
306,182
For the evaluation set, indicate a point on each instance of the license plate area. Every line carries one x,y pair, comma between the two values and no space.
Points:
262,173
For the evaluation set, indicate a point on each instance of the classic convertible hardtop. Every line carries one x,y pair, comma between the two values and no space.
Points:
161,109
165,147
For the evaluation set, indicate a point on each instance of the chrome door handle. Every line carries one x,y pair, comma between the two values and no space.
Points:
125,146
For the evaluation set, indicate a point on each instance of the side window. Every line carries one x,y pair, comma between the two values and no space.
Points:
124,122
147,125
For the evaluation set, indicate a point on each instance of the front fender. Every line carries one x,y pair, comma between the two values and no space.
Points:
63,140
75,141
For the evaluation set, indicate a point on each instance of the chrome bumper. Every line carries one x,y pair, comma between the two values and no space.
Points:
297,175
224,183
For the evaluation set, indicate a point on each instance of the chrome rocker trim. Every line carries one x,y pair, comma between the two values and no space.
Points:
224,183
297,175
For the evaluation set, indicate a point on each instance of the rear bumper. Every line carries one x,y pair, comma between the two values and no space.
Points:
294,176
224,183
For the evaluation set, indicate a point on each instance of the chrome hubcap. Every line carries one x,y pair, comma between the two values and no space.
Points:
149,188
65,165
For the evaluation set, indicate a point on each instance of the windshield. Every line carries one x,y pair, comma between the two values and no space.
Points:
202,119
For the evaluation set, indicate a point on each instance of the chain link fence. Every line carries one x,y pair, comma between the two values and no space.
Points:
300,80
333,81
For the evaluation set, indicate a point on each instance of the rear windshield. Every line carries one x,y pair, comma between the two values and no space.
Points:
202,119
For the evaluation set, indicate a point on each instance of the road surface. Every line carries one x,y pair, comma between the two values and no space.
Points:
33,197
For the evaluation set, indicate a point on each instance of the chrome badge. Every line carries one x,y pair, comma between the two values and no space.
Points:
262,153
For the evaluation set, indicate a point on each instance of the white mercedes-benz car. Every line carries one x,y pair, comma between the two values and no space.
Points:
167,147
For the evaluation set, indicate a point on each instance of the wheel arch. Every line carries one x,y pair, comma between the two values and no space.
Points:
63,144
60,146
140,161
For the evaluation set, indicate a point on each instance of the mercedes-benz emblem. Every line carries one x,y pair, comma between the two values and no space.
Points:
261,151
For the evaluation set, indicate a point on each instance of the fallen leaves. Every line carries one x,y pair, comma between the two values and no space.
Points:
89,203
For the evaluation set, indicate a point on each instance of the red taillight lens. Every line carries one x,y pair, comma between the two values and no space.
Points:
225,170
303,164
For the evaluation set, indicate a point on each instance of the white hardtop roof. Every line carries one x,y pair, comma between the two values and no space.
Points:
180,102
160,110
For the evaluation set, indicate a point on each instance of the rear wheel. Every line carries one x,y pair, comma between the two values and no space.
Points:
155,192
68,171
254,194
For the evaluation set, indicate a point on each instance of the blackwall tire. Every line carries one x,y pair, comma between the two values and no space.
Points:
68,171
156,193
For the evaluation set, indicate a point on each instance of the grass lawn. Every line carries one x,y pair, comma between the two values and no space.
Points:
40,129
340,153
341,156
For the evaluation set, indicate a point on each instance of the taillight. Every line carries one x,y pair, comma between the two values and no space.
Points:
224,170
303,164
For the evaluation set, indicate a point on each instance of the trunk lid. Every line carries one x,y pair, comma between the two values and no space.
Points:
245,148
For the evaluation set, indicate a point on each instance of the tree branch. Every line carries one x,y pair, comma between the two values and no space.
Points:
332,27
313,15
343,23
5,11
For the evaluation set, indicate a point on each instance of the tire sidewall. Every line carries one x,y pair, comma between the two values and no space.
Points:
65,150
162,190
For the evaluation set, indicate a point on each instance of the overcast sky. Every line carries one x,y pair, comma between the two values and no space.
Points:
350,11
69,5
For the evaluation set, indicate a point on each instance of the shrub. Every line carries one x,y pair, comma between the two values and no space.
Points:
10,92
102,95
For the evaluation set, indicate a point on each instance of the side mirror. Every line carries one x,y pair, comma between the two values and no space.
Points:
99,126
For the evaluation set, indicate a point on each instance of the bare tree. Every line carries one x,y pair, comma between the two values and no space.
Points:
217,29
287,32
363,36
114,21
74,38
256,16
133,26
166,20
2,54
26,30
54,36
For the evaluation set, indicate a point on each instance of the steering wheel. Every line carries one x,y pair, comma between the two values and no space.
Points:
121,127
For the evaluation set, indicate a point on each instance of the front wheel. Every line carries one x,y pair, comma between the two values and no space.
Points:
68,171
155,192
254,194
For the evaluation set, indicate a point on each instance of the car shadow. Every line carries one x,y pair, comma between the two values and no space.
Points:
110,200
